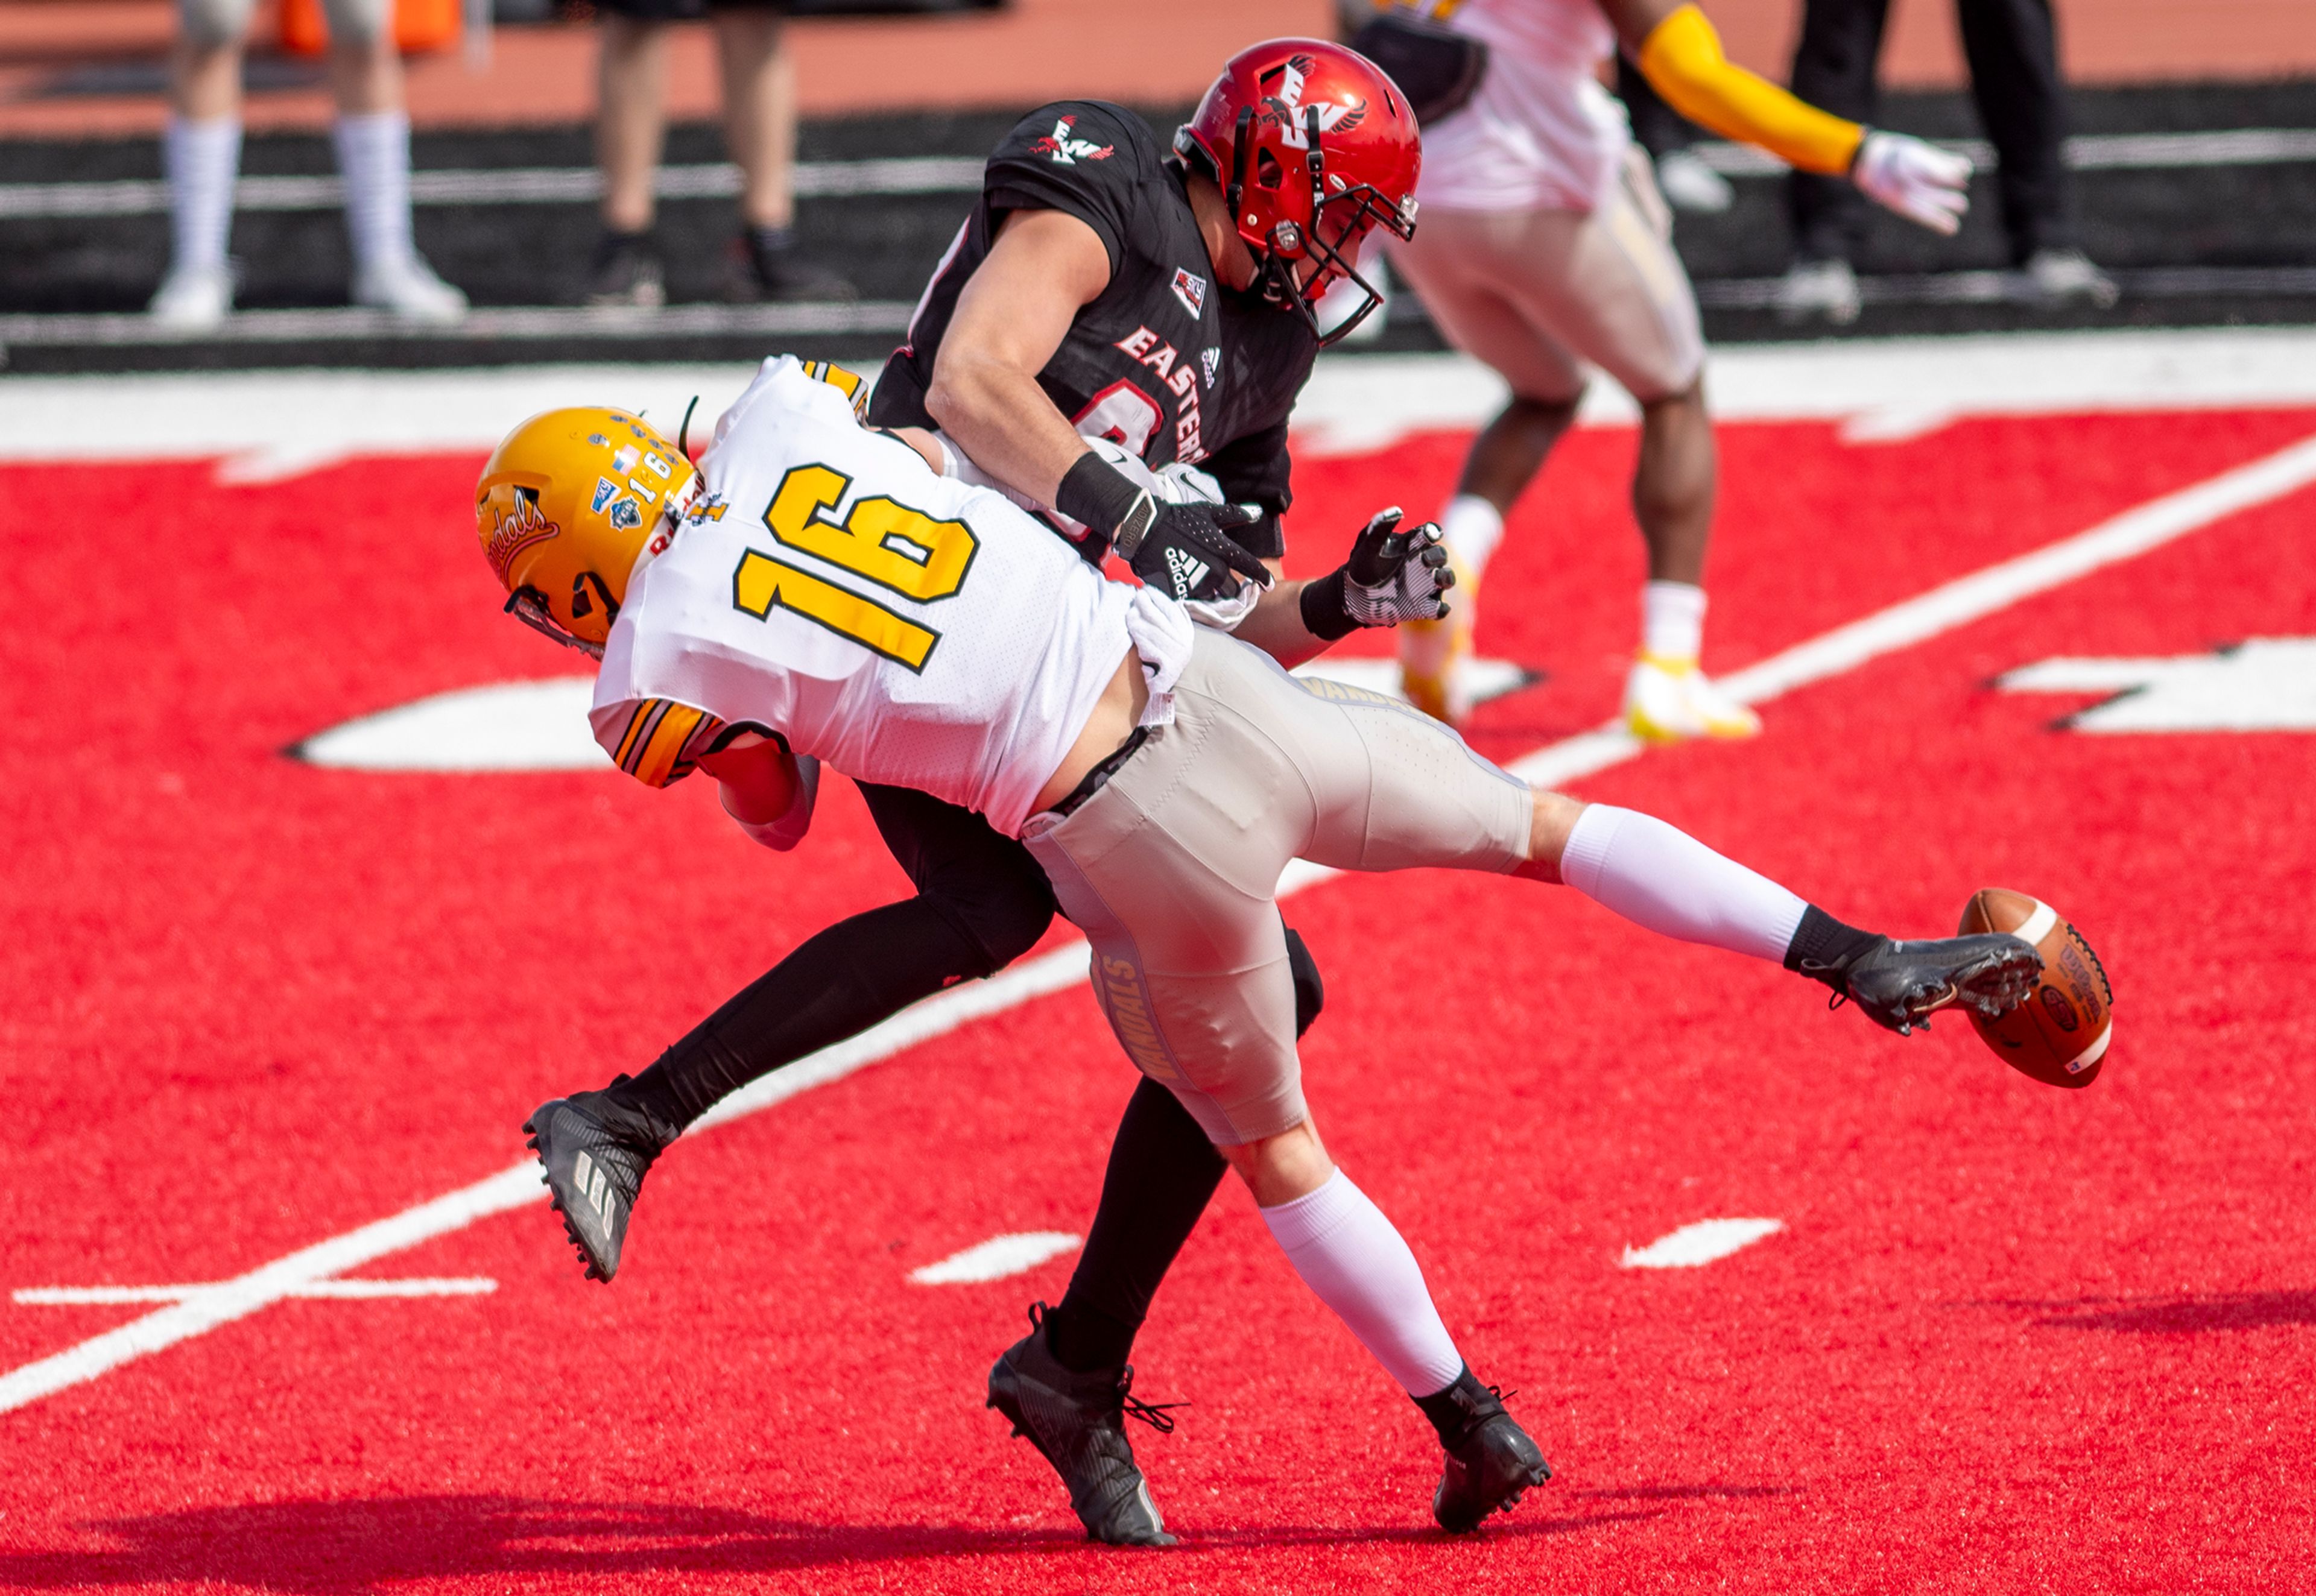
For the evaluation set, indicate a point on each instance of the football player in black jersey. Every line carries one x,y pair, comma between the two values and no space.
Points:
1106,289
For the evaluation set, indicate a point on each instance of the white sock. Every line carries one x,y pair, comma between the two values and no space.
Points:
202,159
1673,620
1658,876
374,158
1471,527
1358,1264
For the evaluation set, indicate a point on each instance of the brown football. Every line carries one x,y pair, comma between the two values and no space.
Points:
2060,1034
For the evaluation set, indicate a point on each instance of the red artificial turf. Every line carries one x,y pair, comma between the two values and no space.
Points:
2011,1340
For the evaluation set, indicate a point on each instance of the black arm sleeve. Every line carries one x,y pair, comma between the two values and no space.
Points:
1080,157
1254,470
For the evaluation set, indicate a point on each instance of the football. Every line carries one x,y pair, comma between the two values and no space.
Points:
2060,1034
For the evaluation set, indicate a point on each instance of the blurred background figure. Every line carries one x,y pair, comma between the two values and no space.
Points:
760,122
1671,139
1545,249
201,153
2012,48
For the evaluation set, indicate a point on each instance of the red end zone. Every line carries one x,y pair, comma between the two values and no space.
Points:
2008,1340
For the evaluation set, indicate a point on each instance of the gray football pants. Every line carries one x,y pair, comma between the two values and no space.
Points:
1171,868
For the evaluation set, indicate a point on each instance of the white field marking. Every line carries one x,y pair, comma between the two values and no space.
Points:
997,1258
1954,605
1692,1246
2264,684
266,425
527,725
542,725
1880,389
339,1290
2091,152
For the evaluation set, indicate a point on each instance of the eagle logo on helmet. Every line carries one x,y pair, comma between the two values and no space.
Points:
1283,85
518,529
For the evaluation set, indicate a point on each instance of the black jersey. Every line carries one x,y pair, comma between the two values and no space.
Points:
1166,361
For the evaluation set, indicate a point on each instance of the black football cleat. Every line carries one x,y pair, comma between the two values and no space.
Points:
1491,1460
1901,984
595,1153
1078,1420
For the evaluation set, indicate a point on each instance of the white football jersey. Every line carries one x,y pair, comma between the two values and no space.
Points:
1541,133
903,627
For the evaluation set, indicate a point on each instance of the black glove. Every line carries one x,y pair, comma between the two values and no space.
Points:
1185,551
1392,576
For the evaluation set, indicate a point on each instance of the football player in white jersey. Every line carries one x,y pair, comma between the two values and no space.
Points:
1545,249
819,592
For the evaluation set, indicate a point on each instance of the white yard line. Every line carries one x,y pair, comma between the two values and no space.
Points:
1001,1257
1707,1241
1845,648
263,426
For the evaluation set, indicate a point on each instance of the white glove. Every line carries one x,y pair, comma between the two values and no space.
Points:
1919,181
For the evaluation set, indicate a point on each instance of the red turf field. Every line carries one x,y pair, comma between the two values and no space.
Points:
2011,1339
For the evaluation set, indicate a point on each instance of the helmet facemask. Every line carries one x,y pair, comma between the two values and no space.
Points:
1341,215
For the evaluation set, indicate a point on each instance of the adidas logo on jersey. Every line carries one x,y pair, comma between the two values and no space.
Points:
1185,571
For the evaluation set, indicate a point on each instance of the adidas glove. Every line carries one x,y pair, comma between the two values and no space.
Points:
1919,181
1392,576
1184,550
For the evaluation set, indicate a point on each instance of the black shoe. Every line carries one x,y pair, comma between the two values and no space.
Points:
1078,1420
626,270
763,264
1901,984
596,1153
1491,1460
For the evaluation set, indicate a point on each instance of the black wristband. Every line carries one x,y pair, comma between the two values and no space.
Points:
1097,493
1324,613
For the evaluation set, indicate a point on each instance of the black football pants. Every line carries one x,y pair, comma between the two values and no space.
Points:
981,902
2012,48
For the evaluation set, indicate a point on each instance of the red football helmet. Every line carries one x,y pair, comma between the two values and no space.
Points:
1311,146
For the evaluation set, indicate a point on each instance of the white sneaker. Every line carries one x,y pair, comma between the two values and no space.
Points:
194,299
1813,288
1672,701
408,289
1433,654
2061,275
1689,184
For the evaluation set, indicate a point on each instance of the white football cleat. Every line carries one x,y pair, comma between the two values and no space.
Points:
1814,288
1433,654
1688,184
406,287
1672,701
194,298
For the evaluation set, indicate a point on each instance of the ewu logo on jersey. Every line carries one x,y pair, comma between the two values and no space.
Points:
1282,88
1065,148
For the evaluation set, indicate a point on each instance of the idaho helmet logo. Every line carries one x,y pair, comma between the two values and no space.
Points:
519,525
1282,87
1064,147
1191,289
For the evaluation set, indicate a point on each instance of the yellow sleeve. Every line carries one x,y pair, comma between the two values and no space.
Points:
1682,60
657,741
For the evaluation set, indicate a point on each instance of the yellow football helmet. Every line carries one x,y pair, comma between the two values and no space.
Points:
565,507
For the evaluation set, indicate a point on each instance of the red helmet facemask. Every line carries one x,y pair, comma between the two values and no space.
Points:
1313,146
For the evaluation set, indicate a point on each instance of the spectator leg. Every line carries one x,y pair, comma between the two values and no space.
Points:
2012,47
1834,70
630,118
759,114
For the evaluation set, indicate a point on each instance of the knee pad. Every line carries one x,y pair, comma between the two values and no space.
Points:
1310,991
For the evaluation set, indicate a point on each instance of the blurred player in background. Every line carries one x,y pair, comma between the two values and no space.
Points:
759,131
1545,249
2013,50
201,153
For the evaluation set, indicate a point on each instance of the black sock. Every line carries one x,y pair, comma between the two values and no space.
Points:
1162,1170
1446,1413
836,985
771,241
1822,946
